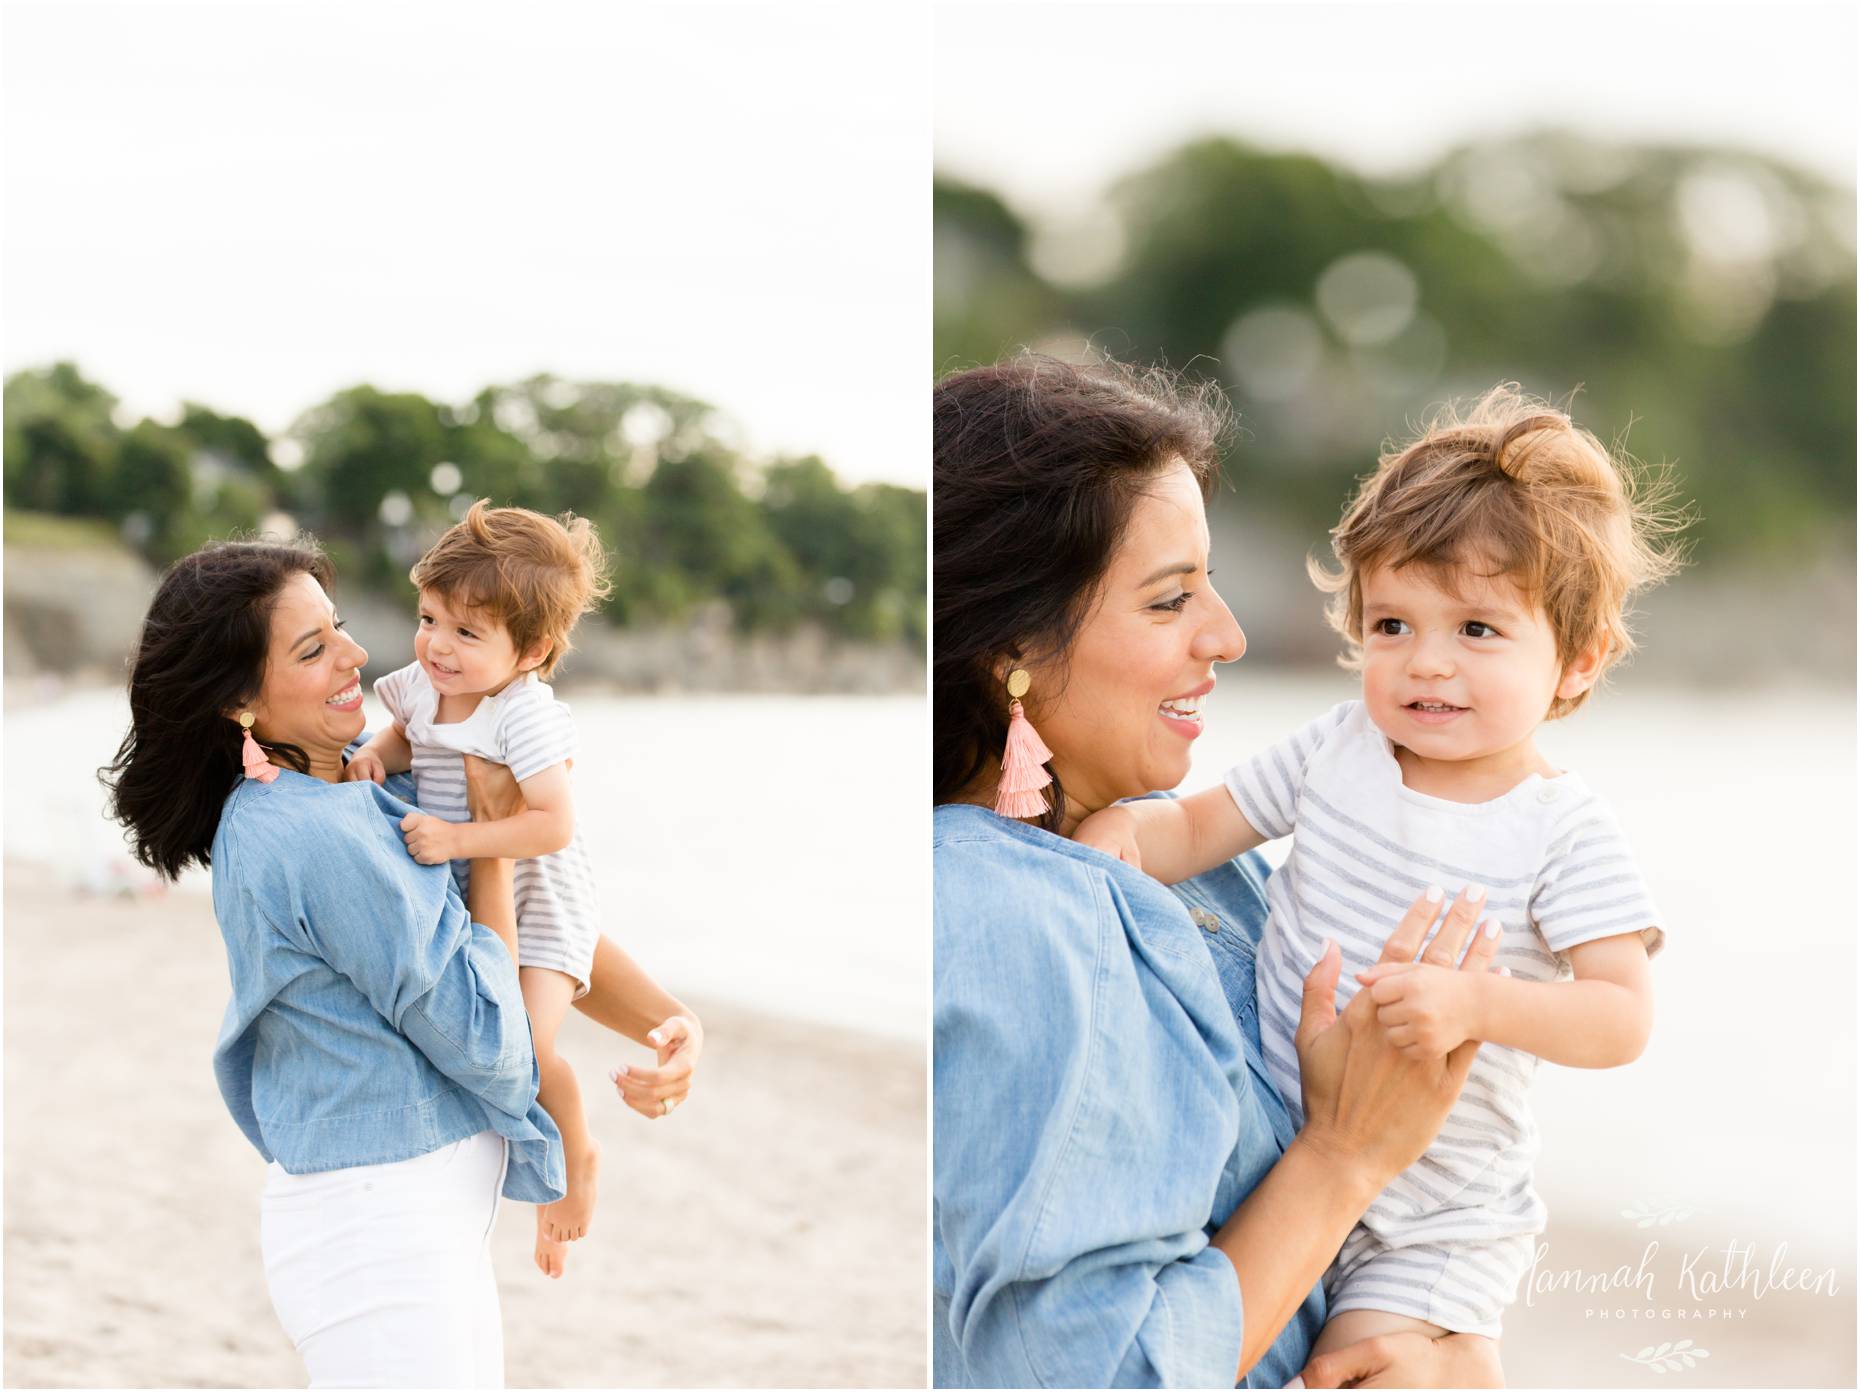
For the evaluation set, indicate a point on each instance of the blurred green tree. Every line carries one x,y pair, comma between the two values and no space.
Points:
61,442
1701,301
377,476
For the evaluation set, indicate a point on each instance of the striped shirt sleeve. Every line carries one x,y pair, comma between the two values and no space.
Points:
534,732
395,691
1591,887
1266,787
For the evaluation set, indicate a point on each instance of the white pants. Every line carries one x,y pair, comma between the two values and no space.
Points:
381,1274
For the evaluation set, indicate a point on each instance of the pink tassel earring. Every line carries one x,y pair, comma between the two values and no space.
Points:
1023,771
256,764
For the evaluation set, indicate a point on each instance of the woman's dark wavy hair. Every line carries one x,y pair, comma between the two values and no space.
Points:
201,654
1037,466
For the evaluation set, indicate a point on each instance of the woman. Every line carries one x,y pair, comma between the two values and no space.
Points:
1120,1199
375,1049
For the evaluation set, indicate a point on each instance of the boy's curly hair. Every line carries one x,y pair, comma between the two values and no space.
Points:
1511,486
533,574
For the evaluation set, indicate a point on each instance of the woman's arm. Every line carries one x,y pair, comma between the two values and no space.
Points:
342,890
1077,1113
1370,1111
624,997
621,995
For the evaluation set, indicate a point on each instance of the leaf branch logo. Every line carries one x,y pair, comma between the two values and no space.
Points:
1669,1357
1646,1215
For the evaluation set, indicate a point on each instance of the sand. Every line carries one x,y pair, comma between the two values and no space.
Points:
772,1232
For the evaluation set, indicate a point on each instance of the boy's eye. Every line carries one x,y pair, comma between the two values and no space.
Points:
1391,628
1472,628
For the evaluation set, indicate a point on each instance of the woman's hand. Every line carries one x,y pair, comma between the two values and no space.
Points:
490,791
1407,1360
1363,1097
654,1092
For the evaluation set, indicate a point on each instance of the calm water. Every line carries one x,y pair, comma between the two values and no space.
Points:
766,849
773,850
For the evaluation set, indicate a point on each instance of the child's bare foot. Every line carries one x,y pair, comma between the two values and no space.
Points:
551,1256
569,1218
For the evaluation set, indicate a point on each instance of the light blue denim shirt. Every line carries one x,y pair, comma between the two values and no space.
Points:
1101,1108
371,1020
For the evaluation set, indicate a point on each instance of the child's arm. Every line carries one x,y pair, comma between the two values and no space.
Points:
1173,839
1599,1020
388,752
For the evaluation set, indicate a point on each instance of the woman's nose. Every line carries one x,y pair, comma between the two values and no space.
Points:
1220,639
359,658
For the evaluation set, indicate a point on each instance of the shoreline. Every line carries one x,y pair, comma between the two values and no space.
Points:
132,1219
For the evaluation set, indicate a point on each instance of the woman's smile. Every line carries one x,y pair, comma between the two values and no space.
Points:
349,698
1182,714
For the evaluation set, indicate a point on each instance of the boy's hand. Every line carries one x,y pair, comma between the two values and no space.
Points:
1427,1010
430,840
364,764
1113,831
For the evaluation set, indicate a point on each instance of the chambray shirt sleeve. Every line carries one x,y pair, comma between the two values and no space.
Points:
1079,1258
354,897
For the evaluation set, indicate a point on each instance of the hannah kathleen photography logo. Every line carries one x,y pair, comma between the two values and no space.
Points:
1672,1280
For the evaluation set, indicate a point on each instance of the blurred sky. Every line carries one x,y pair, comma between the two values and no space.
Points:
1046,102
256,204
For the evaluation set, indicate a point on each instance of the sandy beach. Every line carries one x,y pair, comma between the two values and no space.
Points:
771,1233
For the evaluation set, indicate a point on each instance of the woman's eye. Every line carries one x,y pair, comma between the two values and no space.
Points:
1176,605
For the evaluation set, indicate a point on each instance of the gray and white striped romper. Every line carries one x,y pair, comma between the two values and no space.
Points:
527,729
1449,1239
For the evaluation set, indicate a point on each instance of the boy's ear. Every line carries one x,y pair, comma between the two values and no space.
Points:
1583,670
535,655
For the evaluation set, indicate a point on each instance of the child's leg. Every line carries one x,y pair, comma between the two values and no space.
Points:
1350,1326
547,993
